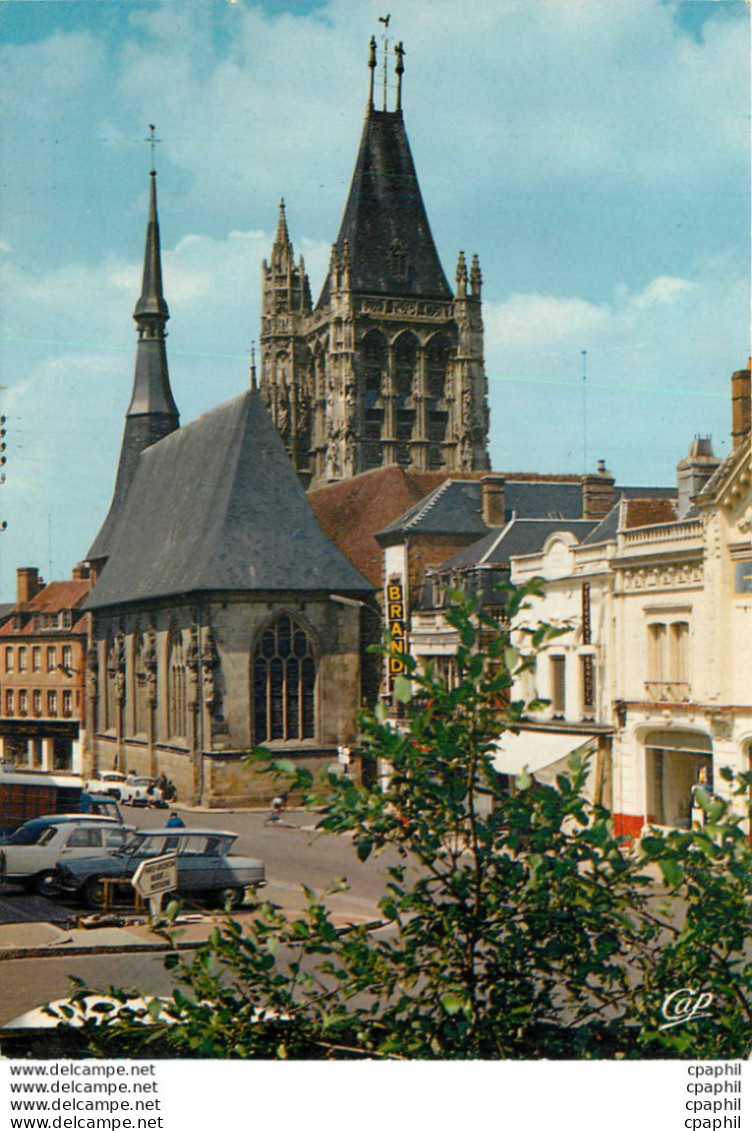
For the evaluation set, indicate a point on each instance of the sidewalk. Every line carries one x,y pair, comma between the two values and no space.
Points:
45,940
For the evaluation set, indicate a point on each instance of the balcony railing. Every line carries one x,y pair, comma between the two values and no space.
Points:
668,691
689,532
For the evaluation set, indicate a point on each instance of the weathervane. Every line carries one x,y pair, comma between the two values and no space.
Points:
153,141
385,41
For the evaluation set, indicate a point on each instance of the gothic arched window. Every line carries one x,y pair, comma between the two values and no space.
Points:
177,711
375,361
405,364
404,384
438,353
437,363
283,683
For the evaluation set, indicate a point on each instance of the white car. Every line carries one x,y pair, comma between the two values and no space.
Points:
130,789
31,854
107,781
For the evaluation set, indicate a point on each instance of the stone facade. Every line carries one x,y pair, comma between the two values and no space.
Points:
176,689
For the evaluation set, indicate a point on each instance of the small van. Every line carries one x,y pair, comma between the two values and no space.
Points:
30,854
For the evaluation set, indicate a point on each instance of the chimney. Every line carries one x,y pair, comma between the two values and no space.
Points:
80,572
741,401
28,584
492,491
598,495
693,472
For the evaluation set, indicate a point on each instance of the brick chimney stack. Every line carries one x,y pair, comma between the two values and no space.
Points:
598,495
493,494
741,403
28,584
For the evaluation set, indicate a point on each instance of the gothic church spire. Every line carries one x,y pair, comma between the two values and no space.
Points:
152,412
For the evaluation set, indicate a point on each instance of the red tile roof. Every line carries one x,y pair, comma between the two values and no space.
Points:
351,511
647,512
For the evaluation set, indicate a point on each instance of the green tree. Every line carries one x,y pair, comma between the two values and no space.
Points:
517,925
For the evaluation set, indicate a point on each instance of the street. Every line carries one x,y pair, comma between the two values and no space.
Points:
293,856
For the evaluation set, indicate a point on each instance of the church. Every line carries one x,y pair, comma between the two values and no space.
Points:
223,617
387,367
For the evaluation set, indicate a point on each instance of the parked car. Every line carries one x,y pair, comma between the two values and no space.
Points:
130,789
205,865
31,854
107,781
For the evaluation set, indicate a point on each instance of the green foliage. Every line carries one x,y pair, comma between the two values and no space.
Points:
515,926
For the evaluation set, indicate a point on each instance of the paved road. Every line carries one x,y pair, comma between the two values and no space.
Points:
293,855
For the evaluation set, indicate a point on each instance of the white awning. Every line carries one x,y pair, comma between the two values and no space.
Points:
543,753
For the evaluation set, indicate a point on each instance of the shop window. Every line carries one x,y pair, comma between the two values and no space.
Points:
284,683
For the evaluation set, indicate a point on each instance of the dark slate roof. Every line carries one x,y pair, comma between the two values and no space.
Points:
646,492
455,507
520,536
385,222
607,528
217,506
541,499
628,513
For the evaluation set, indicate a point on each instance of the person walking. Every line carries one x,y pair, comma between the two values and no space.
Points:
275,813
175,821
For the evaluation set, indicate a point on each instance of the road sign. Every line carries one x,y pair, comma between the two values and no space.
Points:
156,876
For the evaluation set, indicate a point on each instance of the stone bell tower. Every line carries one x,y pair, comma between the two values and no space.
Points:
388,366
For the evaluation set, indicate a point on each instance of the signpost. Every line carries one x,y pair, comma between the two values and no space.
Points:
155,877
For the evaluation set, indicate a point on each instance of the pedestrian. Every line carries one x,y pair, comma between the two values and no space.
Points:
175,821
278,804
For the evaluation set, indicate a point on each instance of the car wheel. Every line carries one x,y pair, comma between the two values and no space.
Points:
230,897
45,883
94,892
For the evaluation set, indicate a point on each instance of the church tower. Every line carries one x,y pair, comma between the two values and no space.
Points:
388,367
152,412
285,362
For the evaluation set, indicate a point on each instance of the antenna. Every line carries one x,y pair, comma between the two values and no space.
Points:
584,411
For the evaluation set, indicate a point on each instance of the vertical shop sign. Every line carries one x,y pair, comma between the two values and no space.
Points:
396,620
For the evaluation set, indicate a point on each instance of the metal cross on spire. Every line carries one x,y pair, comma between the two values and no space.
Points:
153,141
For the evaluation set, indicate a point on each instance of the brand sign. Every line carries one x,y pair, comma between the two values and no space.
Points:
396,620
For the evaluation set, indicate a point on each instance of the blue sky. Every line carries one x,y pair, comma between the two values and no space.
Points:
594,153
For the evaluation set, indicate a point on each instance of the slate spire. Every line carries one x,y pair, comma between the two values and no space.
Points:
385,224
152,412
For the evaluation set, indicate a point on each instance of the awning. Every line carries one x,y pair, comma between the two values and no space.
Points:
542,753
